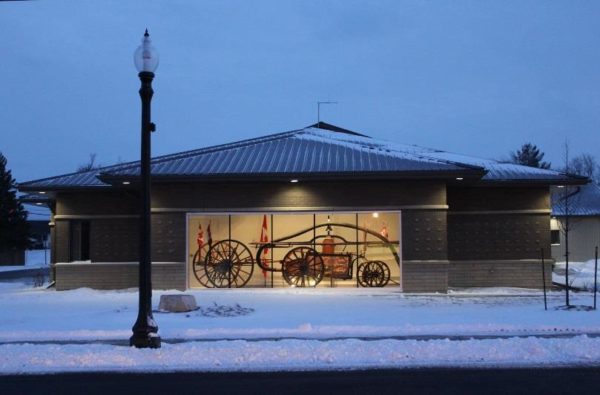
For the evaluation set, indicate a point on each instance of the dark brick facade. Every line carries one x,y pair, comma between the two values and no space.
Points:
462,236
497,236
424,235
168,237
114,240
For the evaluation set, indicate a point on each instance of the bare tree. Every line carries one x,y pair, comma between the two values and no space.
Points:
585,165
565,201
90,165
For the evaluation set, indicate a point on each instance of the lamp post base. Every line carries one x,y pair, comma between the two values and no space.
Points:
145,340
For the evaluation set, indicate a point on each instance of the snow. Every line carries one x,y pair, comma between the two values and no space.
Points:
45,331
496,170
294,329
239,355
581,274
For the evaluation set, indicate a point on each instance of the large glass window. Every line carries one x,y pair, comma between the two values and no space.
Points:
304,250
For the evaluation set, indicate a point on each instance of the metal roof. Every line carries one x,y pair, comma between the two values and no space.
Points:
582,202
317,151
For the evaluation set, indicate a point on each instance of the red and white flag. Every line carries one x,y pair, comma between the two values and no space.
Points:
264,238
384,232
200,238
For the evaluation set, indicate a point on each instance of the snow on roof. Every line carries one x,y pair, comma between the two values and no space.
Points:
583,202
317,150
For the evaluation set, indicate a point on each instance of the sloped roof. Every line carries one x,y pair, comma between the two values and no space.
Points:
317,151
582,202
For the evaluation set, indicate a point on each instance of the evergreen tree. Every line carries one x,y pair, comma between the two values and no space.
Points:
14,233
529,155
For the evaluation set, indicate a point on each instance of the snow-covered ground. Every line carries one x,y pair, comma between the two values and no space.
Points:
281,329
581,274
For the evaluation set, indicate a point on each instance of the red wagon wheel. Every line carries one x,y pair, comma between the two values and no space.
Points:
229,264
303,267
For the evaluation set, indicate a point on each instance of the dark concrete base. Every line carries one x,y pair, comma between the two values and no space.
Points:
118,275
499,273
424,276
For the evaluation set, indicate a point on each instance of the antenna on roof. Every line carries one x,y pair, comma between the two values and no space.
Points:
319,109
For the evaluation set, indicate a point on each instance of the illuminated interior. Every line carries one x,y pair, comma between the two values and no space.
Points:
304,250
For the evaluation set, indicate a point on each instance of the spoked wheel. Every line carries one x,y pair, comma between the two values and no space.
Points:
303,267
198,266
373,274
229,264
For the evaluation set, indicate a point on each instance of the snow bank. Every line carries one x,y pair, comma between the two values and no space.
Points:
299,355
581,274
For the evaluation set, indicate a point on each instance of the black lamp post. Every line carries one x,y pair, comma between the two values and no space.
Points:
145,330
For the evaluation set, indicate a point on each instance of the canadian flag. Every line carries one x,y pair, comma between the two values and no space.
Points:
264,238
384,232
200,238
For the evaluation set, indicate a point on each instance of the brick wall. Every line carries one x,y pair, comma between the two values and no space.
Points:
424,235
168,237
114,240
497,236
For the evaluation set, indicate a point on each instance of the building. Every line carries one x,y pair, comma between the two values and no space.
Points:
451,220
582,205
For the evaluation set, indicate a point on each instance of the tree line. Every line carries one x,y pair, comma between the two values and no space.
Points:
584,164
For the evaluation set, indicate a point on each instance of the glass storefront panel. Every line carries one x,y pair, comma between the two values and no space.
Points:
321,249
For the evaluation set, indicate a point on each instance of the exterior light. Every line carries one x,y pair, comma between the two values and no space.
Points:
145,56
126,182
560,186
375,215
38,204
459,178
145,329
42,192
293,181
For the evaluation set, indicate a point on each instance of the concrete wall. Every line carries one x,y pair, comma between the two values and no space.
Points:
330,195
117,275
425,276
424,251
499,273
584,236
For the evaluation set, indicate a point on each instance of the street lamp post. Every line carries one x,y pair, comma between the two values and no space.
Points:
145,330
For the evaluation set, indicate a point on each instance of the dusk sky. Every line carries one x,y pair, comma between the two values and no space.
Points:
473,77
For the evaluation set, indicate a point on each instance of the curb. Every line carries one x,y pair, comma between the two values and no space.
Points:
125,342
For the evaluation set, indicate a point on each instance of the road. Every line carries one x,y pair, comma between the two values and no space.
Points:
408,381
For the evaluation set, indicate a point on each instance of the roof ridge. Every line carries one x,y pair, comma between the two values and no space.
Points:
386,147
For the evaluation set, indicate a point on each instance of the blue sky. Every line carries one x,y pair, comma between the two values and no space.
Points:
474,77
